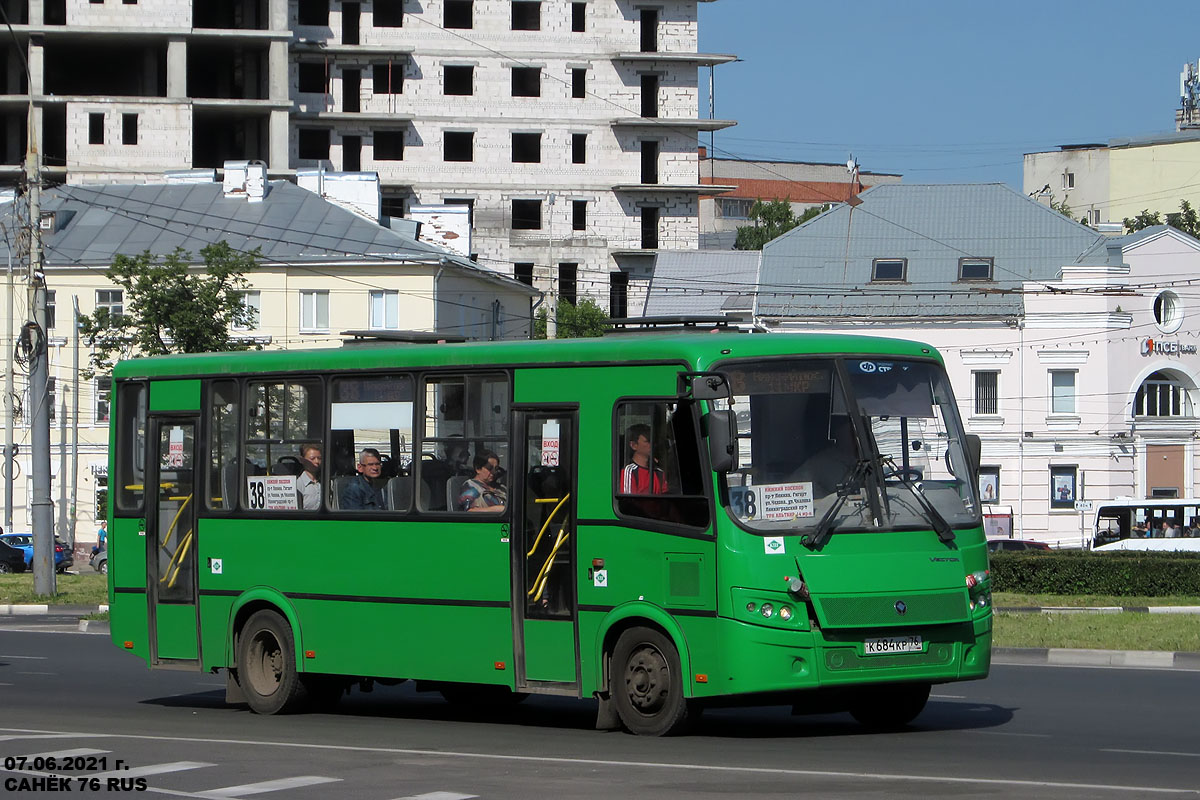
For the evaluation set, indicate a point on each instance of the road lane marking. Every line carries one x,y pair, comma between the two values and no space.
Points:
79,751
37,673
949,696
1009,733
30,658
152,769
1149,752
439,796
269,786
625,765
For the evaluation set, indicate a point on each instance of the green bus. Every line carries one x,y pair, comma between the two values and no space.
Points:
669,521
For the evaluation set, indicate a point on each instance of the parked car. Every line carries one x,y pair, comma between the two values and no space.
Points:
12,559
1013,545
100,561
63,557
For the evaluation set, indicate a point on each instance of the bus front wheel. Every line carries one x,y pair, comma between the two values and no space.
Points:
267,665
890,707
646,683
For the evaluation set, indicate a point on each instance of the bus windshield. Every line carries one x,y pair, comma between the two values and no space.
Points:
836,445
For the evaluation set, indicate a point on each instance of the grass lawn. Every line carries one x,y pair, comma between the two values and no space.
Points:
1095,631
1015,600
88,588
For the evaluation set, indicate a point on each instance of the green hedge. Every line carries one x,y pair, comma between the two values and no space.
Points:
1130,574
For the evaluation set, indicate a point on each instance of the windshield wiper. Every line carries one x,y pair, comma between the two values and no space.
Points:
940,526
852,483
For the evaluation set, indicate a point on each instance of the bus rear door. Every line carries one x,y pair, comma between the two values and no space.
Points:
543,547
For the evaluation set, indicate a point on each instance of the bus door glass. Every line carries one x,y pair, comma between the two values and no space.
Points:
171,539
544,547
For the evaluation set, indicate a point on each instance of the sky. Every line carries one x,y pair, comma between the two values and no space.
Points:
941,91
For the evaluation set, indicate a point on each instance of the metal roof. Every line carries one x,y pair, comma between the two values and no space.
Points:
702,281
823,268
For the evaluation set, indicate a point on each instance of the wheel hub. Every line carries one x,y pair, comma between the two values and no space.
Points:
647,678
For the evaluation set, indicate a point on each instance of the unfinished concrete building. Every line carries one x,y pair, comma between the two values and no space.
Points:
567,127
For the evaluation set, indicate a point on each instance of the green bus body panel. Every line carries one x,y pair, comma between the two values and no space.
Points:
167,396
128,610
595,627
176,631
550,650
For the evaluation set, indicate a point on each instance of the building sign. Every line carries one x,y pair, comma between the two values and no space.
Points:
1158,347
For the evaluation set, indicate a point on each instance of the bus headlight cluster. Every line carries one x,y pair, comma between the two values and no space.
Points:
776,612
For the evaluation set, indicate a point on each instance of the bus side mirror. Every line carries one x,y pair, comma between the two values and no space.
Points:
722,441
974,454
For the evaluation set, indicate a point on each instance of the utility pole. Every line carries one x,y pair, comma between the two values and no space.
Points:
10,461
39,373
74,417
552,296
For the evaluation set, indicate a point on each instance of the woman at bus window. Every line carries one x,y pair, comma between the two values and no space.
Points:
479,493
308,483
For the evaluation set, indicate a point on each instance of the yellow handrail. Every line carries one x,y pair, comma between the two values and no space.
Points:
175,521
539,583
549,519
177,561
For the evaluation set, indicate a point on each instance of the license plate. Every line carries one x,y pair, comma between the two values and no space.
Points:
893,644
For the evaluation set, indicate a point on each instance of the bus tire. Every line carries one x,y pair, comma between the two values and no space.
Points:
267,665
890,707
646,683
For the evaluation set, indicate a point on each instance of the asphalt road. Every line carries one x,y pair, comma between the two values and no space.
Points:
1027,732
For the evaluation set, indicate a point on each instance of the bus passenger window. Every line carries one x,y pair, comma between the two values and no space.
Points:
466,423
130,455
281,419
224,414
371,421
658,463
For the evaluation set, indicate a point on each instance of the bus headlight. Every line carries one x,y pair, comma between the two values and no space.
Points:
767,609
785,613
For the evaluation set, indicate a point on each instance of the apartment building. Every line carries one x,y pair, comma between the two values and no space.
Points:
567,127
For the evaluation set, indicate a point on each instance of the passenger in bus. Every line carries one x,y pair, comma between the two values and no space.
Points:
498,474
479,493
362,492
308,483
640,476
834,460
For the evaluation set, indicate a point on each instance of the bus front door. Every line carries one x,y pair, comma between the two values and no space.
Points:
171,542
543,546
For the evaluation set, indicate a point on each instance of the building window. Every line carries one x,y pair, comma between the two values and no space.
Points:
1162,395
312,78
103,390
458,14
387,78
50,312
129,129
111,300
252,301
527,148
388,14
578,83
649,38
889,269
392,205
987,392
523,271
389,145
578,17
989,484
95,129
458,80
527,15
1093,216
1068,180
578,148
1062,487
314,311
463,201
526,81
1062,391
568,283
618,295
385,310
579,215
313,144
458,146
1168,311
649,162
650,96
650,227
313,12
527,215
734,208
975,269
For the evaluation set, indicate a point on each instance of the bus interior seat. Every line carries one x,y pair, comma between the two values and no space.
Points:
287,465
229,485
434,475
336,487
398,493
454,487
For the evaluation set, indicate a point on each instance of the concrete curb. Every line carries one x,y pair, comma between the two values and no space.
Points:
1099,610
37,609
1117,659
94,626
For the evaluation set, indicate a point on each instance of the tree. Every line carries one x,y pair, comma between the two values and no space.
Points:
771,220
1185,220
583,321
170,308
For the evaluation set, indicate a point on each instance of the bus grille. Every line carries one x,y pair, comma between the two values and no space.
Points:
843,658
871,611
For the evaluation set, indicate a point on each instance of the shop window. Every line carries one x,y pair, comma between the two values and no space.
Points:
658,475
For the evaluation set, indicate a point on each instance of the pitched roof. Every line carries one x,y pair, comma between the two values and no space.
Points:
824,268
702,282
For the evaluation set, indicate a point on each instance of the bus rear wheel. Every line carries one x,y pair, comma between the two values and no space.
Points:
267,665
890,707
646,683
